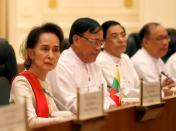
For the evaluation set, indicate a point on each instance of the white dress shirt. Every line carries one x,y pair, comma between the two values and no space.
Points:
21,90
71,73
129,81
148,67
171,66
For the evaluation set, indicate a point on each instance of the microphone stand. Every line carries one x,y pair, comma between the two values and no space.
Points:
55,100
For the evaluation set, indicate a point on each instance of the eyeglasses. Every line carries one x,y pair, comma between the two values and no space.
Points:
93,41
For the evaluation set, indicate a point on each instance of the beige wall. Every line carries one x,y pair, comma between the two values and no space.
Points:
3,18
24,14
161,11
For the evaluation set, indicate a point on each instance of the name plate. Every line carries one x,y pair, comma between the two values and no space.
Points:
13,118
90,105
151,93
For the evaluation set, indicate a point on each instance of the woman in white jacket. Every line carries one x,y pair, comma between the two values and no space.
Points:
41,53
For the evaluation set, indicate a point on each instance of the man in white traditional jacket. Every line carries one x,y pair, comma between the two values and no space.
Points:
147,60
77,68
113,56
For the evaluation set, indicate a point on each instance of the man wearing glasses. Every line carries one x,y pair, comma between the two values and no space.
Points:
147,60
77,68
113,58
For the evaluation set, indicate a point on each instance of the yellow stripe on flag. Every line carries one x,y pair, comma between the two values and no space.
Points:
117,75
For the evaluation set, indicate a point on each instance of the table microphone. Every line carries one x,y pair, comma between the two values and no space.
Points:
162,72
56,101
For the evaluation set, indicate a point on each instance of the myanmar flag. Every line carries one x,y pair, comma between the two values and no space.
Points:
115,89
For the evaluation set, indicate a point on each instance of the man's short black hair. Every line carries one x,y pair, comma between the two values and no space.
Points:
106,25
83,25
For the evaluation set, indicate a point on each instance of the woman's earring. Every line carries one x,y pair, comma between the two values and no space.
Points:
27,63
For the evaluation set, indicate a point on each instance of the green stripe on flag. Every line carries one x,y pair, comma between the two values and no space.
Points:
116,85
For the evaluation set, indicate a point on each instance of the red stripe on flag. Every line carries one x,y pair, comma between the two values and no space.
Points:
114,96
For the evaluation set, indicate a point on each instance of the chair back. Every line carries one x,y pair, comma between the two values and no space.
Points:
4,90
133,44
8,69
172,44
65,45
8,64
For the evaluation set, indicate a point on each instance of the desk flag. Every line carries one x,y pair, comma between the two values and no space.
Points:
115,89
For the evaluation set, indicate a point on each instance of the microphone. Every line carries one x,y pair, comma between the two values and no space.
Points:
56,101
163,73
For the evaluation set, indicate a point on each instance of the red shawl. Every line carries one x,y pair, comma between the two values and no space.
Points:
41,102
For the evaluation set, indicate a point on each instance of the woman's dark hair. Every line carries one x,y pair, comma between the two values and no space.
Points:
83,25
34,35
106,25
36,32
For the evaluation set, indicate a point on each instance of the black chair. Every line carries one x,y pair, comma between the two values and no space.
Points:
65,44
172,43
8,64
8,69
133,44
4,90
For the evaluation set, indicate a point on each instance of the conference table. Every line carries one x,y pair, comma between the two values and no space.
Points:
123,118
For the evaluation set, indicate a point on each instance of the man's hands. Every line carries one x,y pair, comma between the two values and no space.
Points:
167,84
